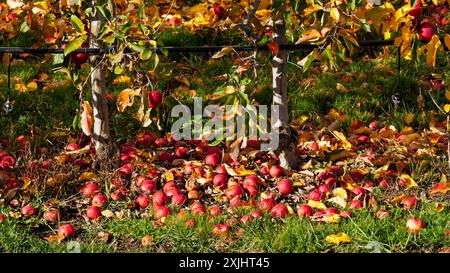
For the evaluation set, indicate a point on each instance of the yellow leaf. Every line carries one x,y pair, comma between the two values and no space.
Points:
32,86
290,209
87,120
122,79
126,98
447,107
432,48
308,165
409,180
343,139
26,183
241,171
311,9
88,176
338,238
316,204
447,41
334,13
439,207
409,118
20,87
340,192
300,120
331,218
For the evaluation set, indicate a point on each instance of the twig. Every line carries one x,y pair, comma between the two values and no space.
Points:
245,25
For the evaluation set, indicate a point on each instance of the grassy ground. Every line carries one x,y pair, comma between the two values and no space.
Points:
263,235
50,114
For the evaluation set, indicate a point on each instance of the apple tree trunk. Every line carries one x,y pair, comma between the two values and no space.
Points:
286,150
101,137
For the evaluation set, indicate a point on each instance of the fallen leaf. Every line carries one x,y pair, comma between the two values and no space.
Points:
439,207
338,238
409,118
88,176
408,180
316,204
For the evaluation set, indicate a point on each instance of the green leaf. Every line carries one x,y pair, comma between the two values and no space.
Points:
146,54
105,13
155,60
77,24
306,62
74,45
24,27
119,69
365,26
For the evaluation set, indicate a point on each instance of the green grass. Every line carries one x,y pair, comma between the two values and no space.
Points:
262,235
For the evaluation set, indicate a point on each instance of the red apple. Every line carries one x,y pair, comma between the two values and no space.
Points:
212,159
215,210
148,186
197,208
357,190
90,189
221,170
409,202
154,99
414,225
174,21
179,199
236,202
100,201
345,214
115,196
324,188
265,171
279,211
66,230
426,32
276,171
93,212
246,219
72,147
181,152
126,170
356,204
161,142
220,180
315,195
220,229
331,210
304,210
51,215
162,211
267,204
143,201
159,198
256,214
382,214
191,223
29,211
235,190
219,10
285,187
336,170
165,157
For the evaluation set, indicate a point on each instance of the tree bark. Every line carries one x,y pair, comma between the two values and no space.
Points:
286,150
101,137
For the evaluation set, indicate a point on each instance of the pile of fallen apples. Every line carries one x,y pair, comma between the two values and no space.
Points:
161,176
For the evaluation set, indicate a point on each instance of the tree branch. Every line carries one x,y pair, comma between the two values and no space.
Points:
246,24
